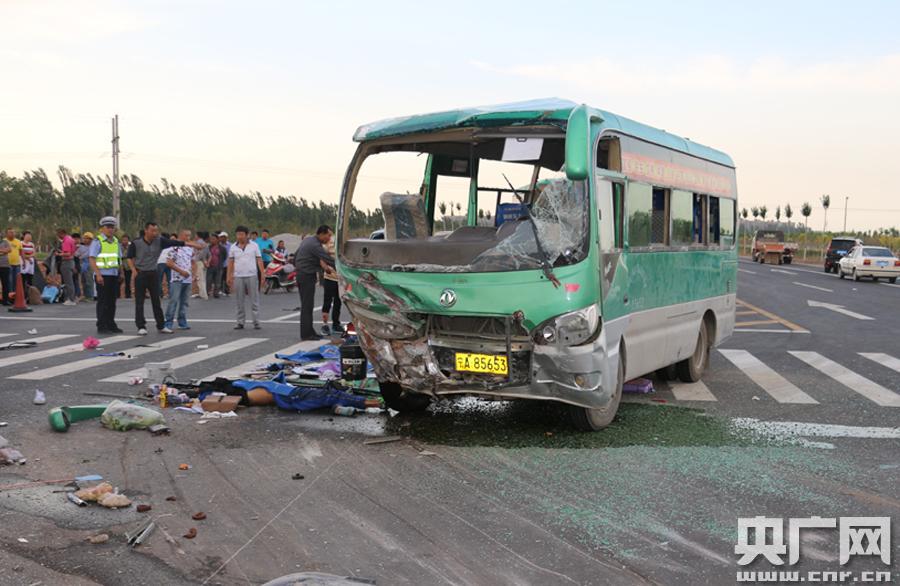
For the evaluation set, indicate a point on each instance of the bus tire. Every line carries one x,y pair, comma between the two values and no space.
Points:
691,369
892,280
399,400
585,419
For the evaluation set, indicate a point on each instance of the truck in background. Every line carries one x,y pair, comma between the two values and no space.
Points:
769,247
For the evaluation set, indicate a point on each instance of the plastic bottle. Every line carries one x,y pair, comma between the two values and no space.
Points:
163,396
374,411
344,411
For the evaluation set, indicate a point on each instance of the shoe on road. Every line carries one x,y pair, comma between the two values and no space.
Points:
142,331
239,327
326,331
310,338
69,303
167,331
257,327
184,327
117,330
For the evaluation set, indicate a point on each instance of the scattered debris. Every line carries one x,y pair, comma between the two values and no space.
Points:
220,402
112,500
171,499
382,440
97,539
141,535
72,497
298,476
62,417
427,453
94,493
124,416
202,346
32,331
184,466
640,386
218,415
159,429
135,380
90,343
11,456
192,533
3,424
345,411
116,396
39,397
22,540
143,508
198,516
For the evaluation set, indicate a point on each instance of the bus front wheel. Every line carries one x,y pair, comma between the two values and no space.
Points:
399,400
585,419
691,369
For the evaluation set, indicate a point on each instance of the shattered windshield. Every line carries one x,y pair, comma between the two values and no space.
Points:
455,212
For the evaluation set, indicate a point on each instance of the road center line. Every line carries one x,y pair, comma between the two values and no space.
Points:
746,271
814,287
771,315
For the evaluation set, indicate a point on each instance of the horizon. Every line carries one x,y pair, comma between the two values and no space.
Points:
276,112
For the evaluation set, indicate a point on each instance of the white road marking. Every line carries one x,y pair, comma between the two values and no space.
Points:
94,319
814,287
783,271
855,382
295,314
796,428
26,357
250,365
765,331
4,335
102,360
838,309
746,271
883,359
778,387
191,358
41,339
691,391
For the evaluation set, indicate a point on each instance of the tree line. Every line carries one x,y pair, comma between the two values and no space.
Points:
32,202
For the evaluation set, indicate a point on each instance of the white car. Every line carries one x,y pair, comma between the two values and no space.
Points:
870,261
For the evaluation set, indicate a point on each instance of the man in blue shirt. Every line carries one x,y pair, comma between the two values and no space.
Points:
266,247
106,263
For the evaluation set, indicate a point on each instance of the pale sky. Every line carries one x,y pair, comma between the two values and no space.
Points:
805,96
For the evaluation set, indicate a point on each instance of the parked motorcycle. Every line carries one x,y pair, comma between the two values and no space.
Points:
280,274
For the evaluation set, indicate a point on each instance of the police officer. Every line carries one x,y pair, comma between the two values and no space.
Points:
106,264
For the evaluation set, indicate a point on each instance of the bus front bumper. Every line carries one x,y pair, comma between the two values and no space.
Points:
579,375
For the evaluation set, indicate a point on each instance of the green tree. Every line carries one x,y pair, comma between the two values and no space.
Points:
762,212
826,203
778,213
744,213
805,211
755,211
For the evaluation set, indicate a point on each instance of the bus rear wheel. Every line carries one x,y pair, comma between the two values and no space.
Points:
399,400
691,369
585,419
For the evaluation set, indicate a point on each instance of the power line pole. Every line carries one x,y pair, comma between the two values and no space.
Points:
846,199
115,161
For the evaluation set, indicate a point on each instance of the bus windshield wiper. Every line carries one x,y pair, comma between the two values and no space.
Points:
546,266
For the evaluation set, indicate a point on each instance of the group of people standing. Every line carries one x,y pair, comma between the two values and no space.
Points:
105,267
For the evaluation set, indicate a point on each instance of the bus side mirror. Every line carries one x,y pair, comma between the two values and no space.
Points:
578,143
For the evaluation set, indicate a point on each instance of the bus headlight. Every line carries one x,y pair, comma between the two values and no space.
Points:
569,329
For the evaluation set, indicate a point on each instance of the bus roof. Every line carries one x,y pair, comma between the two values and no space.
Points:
542,111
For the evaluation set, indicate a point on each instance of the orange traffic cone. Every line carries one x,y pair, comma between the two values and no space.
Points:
20,305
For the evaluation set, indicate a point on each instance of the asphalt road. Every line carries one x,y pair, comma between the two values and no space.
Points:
475,492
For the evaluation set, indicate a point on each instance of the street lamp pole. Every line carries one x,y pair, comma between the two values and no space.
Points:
846,198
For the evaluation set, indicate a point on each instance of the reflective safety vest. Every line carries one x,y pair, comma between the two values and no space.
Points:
109,254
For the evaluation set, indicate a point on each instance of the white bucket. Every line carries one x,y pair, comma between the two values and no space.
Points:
159,372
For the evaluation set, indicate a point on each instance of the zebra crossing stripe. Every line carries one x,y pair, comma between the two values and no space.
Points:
102,360
778,387
855,382
42,339
691,391
192,358
250,365
23,358
883,359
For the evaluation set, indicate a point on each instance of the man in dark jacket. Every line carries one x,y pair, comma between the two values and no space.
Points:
308,259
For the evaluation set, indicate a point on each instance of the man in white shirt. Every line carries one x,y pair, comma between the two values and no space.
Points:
179,260
246,275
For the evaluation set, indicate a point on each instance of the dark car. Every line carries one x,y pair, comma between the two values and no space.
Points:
838,249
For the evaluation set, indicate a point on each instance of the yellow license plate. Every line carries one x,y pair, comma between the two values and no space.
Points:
486,363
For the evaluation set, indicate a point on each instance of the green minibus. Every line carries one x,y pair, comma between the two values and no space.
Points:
581,250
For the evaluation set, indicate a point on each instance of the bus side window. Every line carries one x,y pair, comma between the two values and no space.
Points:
619,211
659,222
639,201
726,222
713,220
698,235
